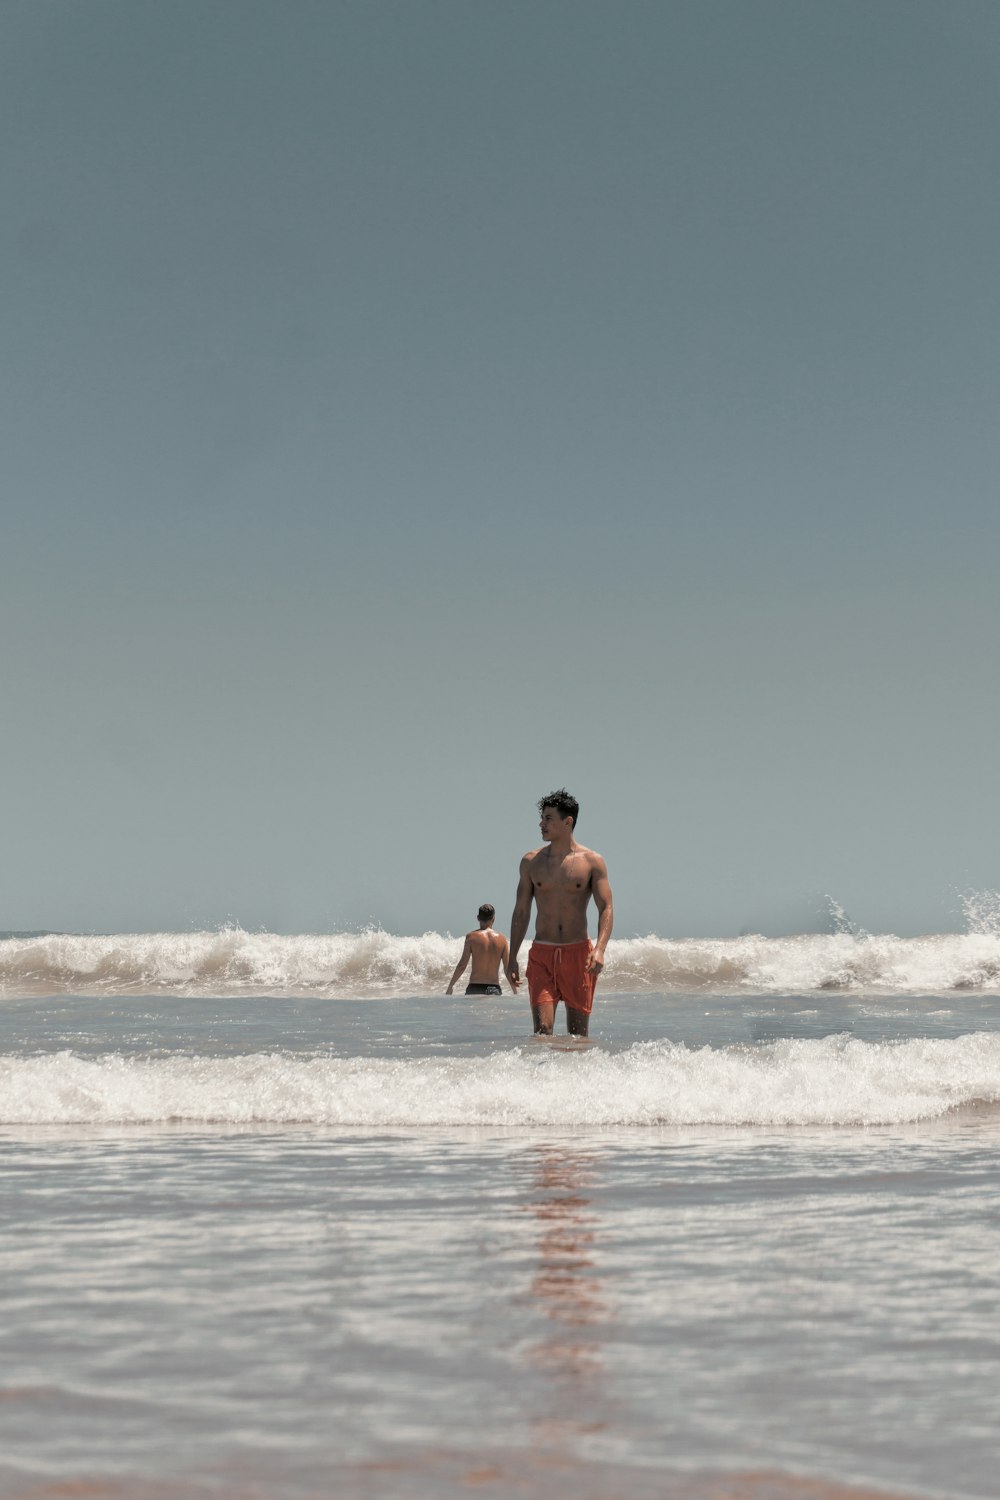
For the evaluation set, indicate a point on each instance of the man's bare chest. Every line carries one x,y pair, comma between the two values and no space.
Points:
569,876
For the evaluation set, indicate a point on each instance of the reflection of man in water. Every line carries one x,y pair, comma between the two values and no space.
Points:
563,964
568,1294
488,950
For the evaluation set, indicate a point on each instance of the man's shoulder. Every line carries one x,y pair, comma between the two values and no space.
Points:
591,855
533,854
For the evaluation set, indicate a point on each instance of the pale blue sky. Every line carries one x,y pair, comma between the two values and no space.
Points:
409,407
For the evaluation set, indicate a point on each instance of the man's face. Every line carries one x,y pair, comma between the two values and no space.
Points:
552,823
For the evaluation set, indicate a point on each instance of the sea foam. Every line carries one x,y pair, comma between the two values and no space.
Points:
378,963
833,1081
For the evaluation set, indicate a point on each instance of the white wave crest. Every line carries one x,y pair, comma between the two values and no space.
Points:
833,1081
375,962
344,963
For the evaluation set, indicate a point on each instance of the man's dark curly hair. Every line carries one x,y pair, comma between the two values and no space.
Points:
564,803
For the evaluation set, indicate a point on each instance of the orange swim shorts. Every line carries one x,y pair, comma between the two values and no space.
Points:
558,971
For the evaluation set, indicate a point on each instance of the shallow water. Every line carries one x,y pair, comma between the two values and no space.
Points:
531,1301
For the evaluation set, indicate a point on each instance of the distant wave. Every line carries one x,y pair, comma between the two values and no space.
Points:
833,1081
374,963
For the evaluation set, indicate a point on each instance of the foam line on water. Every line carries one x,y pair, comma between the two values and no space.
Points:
832,1081
374,962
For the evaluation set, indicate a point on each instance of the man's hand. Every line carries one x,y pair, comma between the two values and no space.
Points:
514,976
450,990
595,963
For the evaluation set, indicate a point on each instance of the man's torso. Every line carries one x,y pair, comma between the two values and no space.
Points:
562,889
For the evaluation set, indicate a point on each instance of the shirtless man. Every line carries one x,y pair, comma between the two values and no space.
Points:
563,964
488,950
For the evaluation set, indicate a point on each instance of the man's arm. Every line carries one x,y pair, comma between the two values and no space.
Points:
460,967
601,888
505,960
520,919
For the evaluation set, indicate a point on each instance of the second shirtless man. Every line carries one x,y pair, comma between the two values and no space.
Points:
563,964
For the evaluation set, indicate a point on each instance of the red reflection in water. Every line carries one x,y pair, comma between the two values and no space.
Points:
566,1289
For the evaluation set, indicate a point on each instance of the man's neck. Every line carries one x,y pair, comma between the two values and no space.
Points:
563,846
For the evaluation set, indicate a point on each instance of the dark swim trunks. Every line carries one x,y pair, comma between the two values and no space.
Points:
483,989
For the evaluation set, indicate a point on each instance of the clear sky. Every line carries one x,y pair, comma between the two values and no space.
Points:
409,406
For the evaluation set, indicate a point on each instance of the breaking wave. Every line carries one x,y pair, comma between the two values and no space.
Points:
833,1081
377,963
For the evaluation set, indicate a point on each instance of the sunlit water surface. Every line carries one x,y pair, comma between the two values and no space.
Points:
321,1306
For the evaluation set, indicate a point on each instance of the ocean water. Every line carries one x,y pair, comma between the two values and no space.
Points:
280,1219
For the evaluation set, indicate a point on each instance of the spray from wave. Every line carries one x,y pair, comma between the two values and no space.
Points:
377,963
833,1081
981,910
